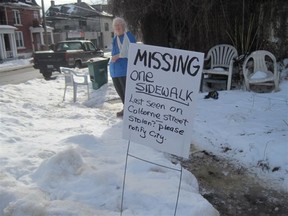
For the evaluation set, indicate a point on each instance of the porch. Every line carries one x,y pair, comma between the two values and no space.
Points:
8,48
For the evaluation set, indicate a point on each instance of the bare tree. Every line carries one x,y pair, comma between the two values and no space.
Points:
200,24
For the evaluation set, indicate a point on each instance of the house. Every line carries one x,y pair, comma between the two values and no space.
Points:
20,31
80,21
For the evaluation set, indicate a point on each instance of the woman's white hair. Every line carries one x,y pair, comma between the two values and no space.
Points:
121,21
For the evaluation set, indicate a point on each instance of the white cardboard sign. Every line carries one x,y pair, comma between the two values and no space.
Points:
161,89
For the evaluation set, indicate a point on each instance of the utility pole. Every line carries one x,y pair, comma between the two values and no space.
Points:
44,25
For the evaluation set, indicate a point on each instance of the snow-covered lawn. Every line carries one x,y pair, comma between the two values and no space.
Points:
65,158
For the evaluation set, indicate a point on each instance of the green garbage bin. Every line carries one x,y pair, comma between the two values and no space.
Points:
98,72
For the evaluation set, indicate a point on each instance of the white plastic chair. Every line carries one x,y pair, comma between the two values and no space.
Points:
260,68
221,64
72,78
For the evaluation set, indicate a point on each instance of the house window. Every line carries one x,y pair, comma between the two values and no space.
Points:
19,39
106,27
17,17
82,23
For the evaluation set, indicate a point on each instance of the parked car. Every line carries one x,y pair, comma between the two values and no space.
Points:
71,53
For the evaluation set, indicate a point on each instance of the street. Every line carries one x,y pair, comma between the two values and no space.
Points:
19,75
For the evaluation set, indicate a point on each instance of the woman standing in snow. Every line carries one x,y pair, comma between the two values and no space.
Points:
119,60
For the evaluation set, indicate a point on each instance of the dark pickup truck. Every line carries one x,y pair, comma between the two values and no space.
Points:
71,53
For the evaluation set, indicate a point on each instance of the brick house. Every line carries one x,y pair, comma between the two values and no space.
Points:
20,31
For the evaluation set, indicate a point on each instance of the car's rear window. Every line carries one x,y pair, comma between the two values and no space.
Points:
69,46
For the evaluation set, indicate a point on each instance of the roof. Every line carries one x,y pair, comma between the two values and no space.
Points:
81,9
19,3
7,29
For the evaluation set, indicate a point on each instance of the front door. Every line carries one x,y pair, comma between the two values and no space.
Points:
36,41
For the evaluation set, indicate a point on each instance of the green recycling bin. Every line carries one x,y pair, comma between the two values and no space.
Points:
98,72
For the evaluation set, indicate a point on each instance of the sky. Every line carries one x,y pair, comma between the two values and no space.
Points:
63,158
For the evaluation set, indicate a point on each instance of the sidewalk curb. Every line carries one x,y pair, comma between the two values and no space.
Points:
7,69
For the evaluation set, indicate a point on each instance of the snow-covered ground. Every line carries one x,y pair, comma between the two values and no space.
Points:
65,158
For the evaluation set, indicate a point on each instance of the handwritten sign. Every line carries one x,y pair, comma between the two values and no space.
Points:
160,98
